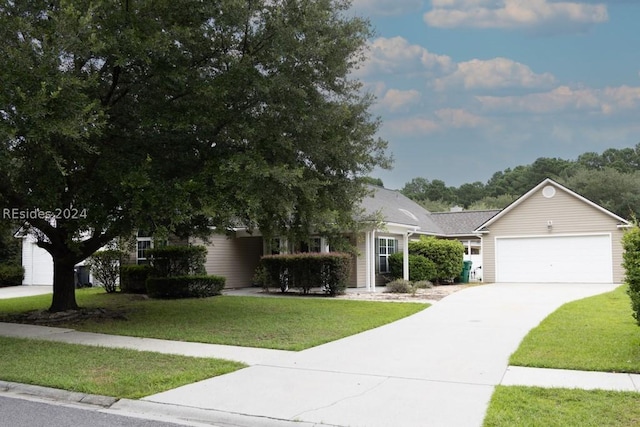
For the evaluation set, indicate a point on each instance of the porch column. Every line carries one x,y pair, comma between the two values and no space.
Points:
372,271
405,256
367,256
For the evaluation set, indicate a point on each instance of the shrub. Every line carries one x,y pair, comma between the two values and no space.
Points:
446,255
400,286
422,284
631,264
185,286
330,271
105,267
133,278
11,275
420,268
173,261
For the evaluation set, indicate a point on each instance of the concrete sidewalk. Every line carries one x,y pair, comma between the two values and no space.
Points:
437,368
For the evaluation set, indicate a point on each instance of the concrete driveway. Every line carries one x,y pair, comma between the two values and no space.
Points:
24,291
435,368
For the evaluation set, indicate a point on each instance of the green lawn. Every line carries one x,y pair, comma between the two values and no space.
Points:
532,406
105,371
286,323
596,334
593,334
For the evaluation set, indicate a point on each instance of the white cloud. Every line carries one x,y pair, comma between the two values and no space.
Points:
397,56
458,118
562,16
387,7
412,126
494,74
395,99
606,101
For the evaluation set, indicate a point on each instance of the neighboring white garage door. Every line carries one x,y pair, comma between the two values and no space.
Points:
566,259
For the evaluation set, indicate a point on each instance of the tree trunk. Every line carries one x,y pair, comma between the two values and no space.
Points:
64,288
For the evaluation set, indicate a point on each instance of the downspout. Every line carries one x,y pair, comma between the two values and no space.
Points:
405,254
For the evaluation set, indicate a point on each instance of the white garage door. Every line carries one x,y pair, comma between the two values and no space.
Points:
566,259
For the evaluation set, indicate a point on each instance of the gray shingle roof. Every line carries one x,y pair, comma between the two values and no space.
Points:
399,209
462,223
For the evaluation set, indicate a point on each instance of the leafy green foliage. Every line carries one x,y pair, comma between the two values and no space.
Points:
420,267
11,275
631,264
175,116
173,261
611,179
185,286
105,267
446,256
133,278
329,271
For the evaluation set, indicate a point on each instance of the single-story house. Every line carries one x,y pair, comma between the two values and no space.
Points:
553,235
399,220
550,234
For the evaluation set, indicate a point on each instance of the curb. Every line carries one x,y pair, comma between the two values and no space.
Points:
57,394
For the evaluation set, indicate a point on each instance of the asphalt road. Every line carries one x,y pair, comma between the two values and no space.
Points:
15,412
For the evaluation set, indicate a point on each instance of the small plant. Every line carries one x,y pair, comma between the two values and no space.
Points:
400,286
423,284
105,267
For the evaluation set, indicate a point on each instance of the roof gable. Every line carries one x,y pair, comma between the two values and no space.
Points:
398,209
556,186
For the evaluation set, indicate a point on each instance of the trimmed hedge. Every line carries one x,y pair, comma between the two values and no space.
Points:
174,261
133,278
185,286
631,264
420,268
11,275
329,271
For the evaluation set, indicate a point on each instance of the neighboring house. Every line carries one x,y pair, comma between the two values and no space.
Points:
38,263
553,235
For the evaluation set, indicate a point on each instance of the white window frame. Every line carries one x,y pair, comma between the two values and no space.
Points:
386,246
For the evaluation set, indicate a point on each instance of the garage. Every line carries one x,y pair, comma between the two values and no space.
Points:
553,235
555,259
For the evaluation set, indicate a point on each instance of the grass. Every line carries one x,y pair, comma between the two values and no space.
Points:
281,323
105,371
593,334
532,406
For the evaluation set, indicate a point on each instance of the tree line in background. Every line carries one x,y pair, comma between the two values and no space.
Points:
610,179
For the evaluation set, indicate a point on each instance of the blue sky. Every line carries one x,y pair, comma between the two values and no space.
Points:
466,88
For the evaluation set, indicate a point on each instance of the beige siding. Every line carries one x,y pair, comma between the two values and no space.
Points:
233,258
359,273
569,216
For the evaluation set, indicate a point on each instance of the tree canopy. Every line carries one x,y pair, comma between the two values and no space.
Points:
179,116
611,179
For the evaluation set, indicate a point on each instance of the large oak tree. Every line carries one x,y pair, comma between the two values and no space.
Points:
180,116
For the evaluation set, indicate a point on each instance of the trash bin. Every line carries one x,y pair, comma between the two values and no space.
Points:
466,269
